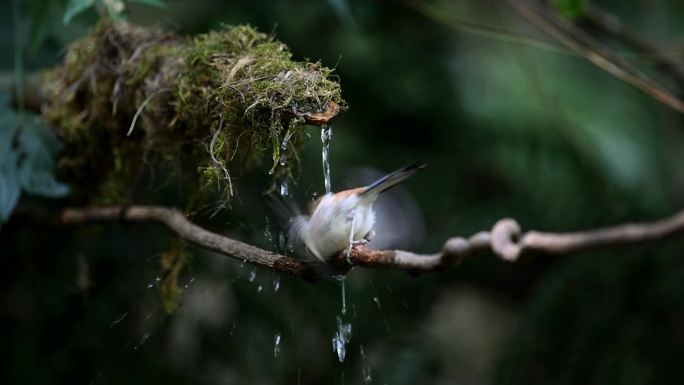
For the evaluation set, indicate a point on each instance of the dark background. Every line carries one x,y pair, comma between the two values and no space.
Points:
507,129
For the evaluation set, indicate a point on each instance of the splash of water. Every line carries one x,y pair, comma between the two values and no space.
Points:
252,275
341,338
276,344
326,135
276,283
284,189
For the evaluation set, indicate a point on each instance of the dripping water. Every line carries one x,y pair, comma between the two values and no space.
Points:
153,284
116,321
342,280
365,368
326,135
187,285
283,147
341,338
142,341
276,344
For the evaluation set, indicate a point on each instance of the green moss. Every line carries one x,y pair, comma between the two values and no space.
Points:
249,81
214,106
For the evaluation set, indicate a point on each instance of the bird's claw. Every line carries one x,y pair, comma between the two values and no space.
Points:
353,244
360,242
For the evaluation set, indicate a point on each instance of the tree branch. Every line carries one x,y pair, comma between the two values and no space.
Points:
177,222
505,240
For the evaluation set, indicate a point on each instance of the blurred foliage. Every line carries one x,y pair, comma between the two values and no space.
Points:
114,9
28,149
507,129
572,9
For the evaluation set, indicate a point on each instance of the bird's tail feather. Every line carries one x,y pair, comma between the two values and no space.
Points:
392,179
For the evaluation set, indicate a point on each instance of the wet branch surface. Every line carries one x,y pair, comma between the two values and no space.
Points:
505,240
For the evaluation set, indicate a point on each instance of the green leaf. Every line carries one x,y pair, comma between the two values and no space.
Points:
151,3
28,149
74,7
9,186
39,147
9,180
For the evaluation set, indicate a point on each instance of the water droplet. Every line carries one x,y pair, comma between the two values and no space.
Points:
384,319
142,341
338,347
259,289
388,287
267,233
326,135
365,368
276,283
116,321
252,275
152,284
276,344
283,158
282,240
187,285
284,190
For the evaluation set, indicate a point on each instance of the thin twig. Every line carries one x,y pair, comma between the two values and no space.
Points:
612,26
579,41
505,240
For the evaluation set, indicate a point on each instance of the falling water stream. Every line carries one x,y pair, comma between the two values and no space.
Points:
344,329
326,135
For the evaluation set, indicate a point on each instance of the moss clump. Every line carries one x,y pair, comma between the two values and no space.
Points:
209,107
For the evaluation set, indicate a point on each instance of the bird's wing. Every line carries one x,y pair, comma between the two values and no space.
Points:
399,222
292,222
297,233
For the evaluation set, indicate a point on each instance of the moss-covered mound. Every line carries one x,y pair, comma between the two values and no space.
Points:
207,108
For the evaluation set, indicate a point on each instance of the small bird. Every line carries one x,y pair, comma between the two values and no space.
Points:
341,220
